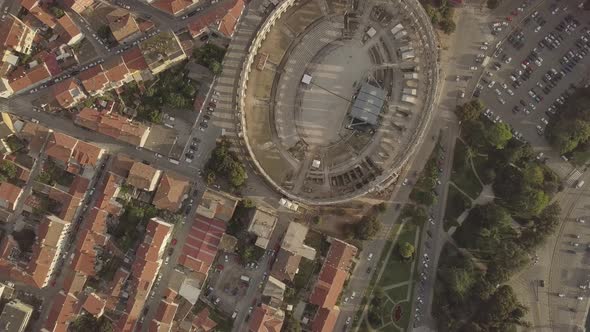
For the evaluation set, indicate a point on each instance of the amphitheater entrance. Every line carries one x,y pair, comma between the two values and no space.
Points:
336,72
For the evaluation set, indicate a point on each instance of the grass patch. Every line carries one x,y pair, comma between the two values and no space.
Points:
462,174
398,294
397,270
456,204
580,158
404,321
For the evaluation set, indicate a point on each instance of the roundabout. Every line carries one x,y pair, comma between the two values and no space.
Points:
335,96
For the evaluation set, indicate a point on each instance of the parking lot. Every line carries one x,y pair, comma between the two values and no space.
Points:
532,72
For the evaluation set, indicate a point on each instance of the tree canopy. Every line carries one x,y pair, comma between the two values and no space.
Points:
498,135
224,163
570,127
210,56
406,250
87,323
367,228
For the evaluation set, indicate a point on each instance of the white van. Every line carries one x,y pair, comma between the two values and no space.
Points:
580,184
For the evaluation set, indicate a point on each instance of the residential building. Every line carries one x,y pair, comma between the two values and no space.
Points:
94,80
286,265
86,155
223,18
60,147
325,319
136,64
202,322
35,135
143,177
218,205
15,316
266,319
65,205
116,72
230,20
201,246
77,5
163,319
173,7
123,25
21,79
273,292
64,309
16,36
293,241
10,195
69,32
333,274
262,225
39,12
113,125
51,235
94,305
172,190
147,263
68,93
162,51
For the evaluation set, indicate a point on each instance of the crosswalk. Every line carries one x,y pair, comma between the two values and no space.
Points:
573,177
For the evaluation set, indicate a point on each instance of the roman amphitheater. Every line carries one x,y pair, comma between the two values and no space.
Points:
336,95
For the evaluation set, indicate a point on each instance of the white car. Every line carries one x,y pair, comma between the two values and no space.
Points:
473,68
537,29
544,121
370,257
510,92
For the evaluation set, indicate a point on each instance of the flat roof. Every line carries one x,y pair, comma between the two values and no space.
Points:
368,104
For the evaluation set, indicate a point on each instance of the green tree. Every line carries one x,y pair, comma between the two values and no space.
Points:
8,169
502,311
367,228
25,238
317,220
87,323
406,250
498,135
292,324
470,111
448,26
104,31
248,203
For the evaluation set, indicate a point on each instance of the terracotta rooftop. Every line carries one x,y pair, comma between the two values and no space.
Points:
325,320
172,7
134,59
60,146
69,28
143,176
87,154
35,134
266,319
79,186
9,193
29,77
202,242
163,318
285,265
68,203
115,69
171,192
67,93
230,19
63,311
44,16
202,322
113,125
93,79
94,305
122,24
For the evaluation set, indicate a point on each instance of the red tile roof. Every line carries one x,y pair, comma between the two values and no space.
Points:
171,191
202,322
87,154
77,5
265,319
63,311
215,16
44,16
30,77
202,244
333,274
143,176
115,69
79,186
69,29
94,305
93,79
9,193
134,59
60,146
230,19
113,125
325,320
68,93
163,318
68,203
172,7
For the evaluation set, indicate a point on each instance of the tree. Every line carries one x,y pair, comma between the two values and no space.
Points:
498,135
25,239
317,220
8,169
292,324
104,31
406,250
470,111
87,323
502,311
367,228
448,26
248,203
493,4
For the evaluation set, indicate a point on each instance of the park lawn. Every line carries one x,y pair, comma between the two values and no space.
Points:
398,294
405,318
457,202
580,158
462,174
396,270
